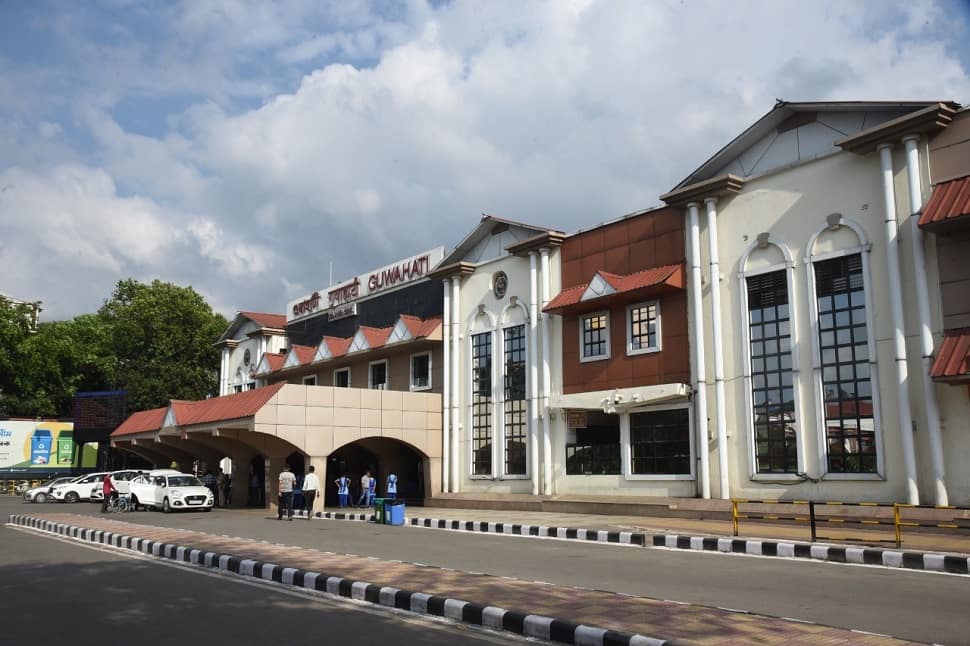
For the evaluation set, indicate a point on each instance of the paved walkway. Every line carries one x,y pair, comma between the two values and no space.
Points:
916,540
659,619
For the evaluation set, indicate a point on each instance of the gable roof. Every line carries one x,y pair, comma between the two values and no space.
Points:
748,153
603,286
488,226
949,201
299,355
268,322
270,362
143,421
952,363
217,409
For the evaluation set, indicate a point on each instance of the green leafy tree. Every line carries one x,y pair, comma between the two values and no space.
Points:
161,339
15,328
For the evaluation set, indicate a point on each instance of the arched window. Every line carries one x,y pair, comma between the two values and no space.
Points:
514,400
846,388
481,402
771,360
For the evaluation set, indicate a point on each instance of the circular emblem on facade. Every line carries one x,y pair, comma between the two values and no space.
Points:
500,284
246,357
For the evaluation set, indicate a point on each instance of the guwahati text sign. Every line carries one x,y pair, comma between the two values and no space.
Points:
336,299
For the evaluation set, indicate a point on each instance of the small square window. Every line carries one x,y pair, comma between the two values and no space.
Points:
594,337
341,378
377,377
421,371
310,380
643,328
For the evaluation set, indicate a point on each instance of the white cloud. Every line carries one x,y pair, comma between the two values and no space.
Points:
391,133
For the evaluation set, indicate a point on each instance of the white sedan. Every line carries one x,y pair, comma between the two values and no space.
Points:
78,489
41,493
171,492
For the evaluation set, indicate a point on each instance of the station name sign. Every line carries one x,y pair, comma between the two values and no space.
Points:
336,300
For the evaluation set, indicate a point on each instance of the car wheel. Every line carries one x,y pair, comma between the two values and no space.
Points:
40,498
208,509
72,497
134,502
165,506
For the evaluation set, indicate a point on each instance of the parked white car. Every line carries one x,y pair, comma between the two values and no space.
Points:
77,489
170,491
121,481
42,493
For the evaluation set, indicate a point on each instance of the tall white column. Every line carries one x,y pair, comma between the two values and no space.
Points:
446,387
899,335
697,345
455,373
720,415
934,431
224,372
533,372
547,487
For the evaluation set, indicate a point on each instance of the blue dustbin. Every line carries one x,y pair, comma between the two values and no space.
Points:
394,512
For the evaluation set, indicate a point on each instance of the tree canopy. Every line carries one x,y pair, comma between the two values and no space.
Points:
153,341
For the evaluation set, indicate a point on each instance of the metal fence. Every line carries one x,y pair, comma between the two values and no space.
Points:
814,520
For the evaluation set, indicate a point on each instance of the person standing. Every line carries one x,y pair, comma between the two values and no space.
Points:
287,481
391,493
343,491
109,491
310,487
362,501
371,491
222,486
210,481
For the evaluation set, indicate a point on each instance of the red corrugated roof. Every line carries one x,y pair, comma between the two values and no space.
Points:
376,336
338,346
267,320
141,422
952,361
428,326
275,362
235,406
652,277
949,200
304,353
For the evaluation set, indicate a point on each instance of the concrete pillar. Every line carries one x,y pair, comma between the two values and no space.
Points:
319,464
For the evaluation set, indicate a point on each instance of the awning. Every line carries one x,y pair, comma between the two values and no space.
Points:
605,288
952,364
622,398
949,205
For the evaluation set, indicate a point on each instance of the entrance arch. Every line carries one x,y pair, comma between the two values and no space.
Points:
381,456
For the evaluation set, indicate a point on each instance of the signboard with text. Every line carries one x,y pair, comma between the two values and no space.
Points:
28,445
336,300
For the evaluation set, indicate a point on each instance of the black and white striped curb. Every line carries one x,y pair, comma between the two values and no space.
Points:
494,618
927,561
950,563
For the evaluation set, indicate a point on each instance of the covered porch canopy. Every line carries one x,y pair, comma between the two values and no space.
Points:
278,420
620,399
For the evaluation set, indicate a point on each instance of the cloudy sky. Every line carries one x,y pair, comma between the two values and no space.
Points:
240,147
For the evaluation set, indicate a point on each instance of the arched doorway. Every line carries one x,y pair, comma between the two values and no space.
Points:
381,456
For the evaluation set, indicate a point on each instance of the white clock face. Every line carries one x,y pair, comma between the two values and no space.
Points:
246,357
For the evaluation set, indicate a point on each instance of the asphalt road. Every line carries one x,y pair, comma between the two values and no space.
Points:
925,607
59,593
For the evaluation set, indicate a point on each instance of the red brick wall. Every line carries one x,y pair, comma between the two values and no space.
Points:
630,245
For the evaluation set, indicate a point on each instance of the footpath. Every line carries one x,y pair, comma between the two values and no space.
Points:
550,612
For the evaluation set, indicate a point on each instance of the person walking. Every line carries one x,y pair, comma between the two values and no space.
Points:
362,501
391,492
209,480
343,491
287,481
310,487
109,491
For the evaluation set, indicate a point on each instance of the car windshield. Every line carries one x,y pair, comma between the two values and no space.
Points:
184,481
